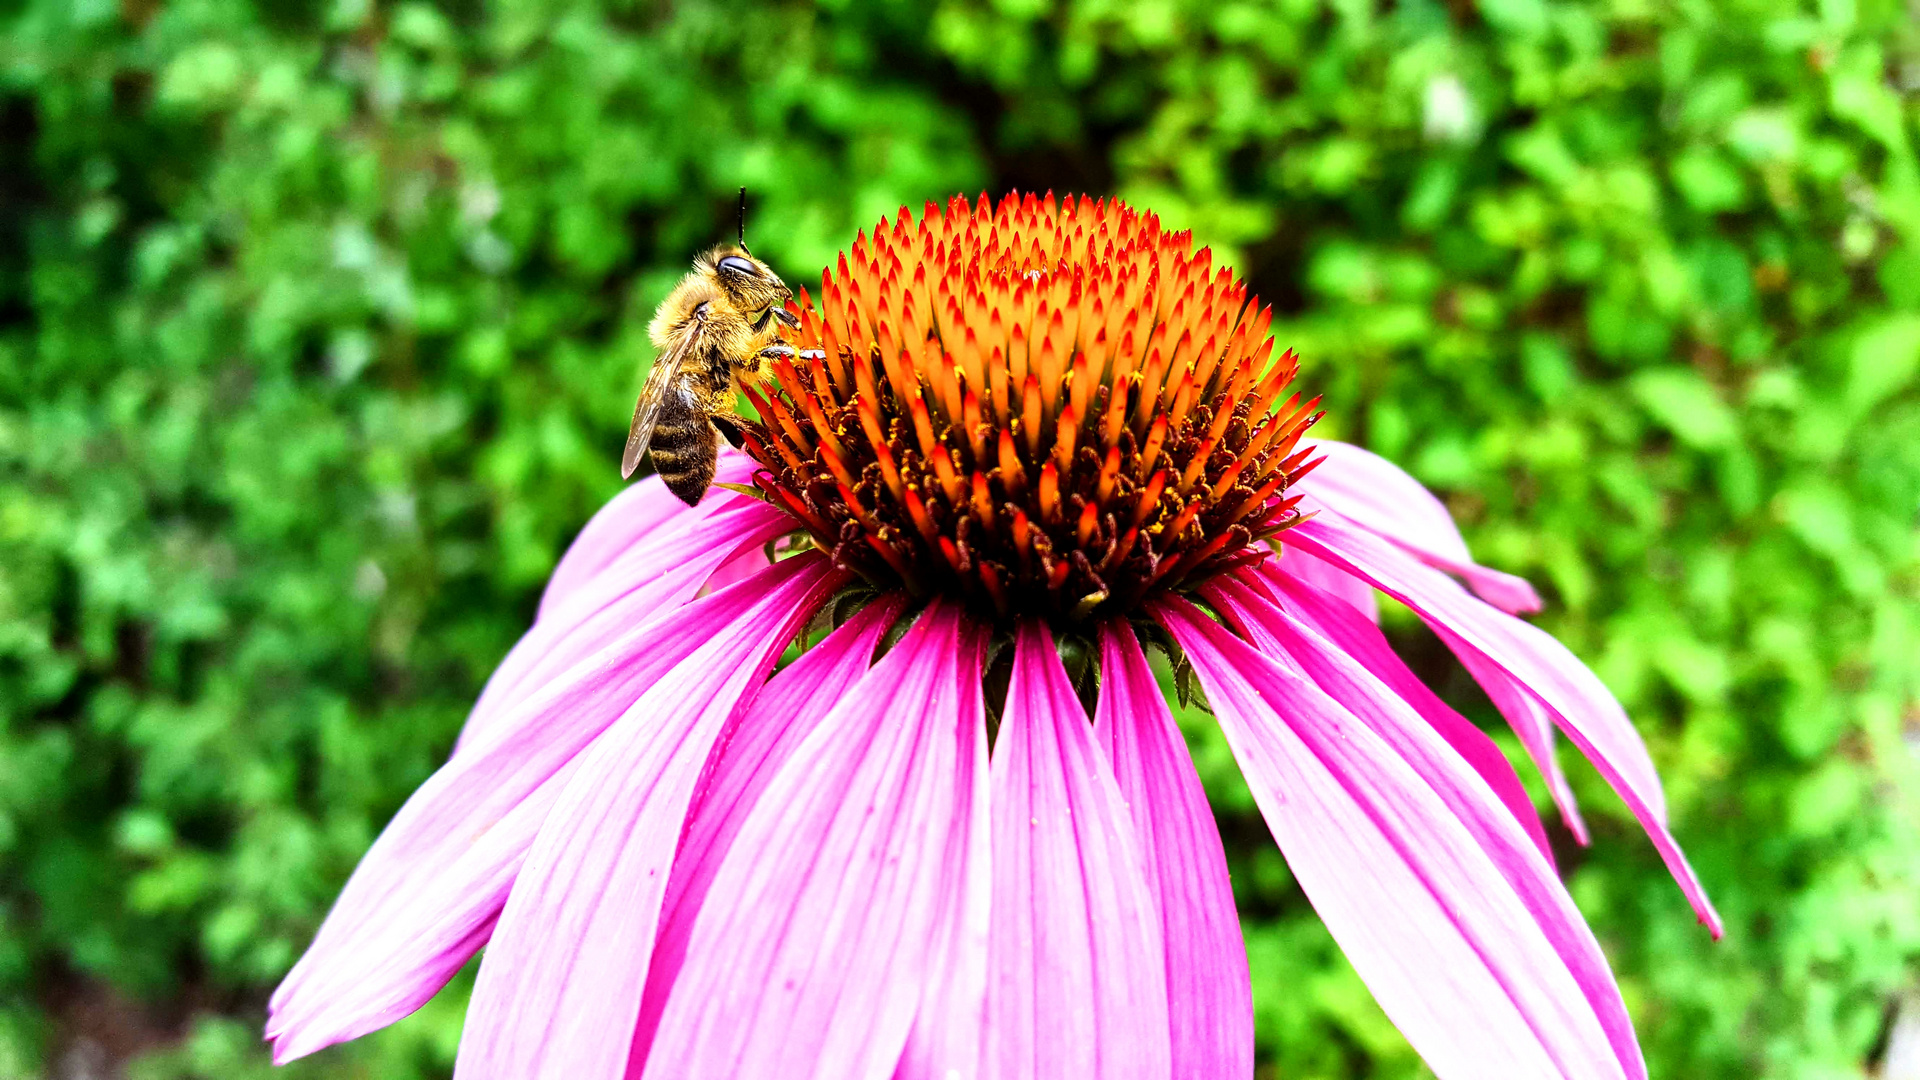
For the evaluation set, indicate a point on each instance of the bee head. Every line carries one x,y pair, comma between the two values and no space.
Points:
749,283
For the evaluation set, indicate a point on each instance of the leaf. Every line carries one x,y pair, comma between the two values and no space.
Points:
1883,360
743,489
1687,405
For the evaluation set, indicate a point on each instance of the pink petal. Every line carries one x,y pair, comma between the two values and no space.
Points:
1363,641
1531,721
1338,583
1379,496
945,1041
420,902
1353,681
663,570
1420,907
822,925
1529,657
559,989
1076,965
948,1031
1184,865
779,720
741,567
638,510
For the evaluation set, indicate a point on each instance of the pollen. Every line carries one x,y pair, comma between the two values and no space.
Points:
1052,408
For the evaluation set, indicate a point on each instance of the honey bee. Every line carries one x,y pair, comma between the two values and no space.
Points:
722,320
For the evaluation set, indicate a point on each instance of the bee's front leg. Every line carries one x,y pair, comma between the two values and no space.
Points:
774,350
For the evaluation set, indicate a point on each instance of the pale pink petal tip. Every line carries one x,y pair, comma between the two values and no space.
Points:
424,899
1526,671
1382,498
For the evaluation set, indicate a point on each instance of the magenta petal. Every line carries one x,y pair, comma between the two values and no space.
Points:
559,988
638,510
776,724
1330,580
1530,720
1421,908
1460,779
1379,496
1076,983
1363,641
1532,659
747,563
822,925
1185,867
418,905
663,570
946,1039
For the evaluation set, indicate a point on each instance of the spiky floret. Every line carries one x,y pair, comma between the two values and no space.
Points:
1050,408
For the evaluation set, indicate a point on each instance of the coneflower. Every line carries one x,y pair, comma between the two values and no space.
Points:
859,768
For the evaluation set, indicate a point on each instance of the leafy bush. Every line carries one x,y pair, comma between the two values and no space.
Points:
319,324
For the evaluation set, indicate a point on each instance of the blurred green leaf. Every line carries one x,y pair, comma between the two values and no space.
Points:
1685,404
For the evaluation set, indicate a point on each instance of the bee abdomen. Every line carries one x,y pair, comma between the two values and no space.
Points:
684,448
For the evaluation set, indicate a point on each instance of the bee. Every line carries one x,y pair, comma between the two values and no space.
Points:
723,320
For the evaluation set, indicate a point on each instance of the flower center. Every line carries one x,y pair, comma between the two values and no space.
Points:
1044,409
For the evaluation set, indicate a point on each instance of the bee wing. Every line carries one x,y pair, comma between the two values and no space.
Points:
666,370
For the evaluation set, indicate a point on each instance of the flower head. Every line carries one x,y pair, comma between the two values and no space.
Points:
685,859
1059,410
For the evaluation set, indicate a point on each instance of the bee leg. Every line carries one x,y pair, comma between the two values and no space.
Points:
778,350
730,428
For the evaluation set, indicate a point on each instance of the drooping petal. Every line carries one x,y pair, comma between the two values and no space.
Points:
638,510
1334,582
1208,991
664,569
809,952
1379,496
1549,674
1076,982
1530,720
1363,641
1461,782
559,989
420,902
1417,904
779,720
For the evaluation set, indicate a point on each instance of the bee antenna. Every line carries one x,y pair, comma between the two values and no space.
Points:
743,220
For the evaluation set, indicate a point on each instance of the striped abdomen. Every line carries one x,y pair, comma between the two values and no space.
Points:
684,445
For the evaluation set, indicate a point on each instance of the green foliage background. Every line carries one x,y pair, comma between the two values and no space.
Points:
320,321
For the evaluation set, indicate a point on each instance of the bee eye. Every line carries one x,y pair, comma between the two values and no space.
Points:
739,266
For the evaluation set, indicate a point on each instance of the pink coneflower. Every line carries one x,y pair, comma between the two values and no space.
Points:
957,834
